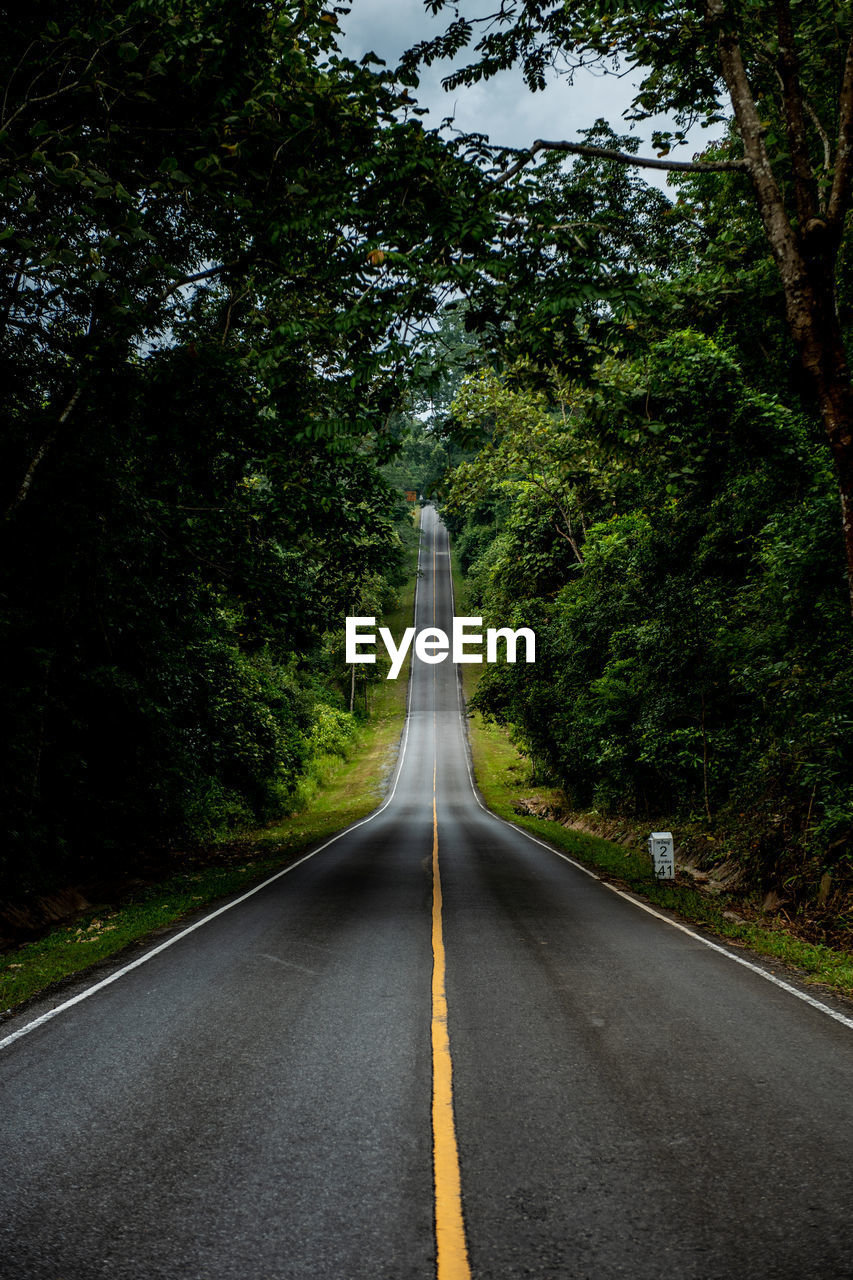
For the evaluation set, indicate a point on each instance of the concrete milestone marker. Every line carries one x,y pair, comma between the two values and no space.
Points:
662,854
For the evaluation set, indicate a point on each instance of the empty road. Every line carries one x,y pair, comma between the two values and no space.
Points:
269,1097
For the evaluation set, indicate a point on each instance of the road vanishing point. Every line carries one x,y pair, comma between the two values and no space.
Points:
432,1047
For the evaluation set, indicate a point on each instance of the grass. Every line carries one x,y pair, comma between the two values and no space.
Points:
348,789
504,777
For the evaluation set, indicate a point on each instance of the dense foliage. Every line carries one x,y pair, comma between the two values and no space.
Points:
667,522
651,485
234,260
196,390
782,71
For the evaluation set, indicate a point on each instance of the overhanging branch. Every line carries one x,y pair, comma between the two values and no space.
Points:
623,157
207,274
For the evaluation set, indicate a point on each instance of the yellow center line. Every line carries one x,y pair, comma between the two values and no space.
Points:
451,1249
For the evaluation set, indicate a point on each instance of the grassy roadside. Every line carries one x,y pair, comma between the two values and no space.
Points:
349,789
503,777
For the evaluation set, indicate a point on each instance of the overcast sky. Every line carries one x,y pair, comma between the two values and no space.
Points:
502,107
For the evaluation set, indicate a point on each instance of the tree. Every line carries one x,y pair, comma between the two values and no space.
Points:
204,300
671,534
784,70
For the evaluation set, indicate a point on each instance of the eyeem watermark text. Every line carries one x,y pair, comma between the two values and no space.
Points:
433,645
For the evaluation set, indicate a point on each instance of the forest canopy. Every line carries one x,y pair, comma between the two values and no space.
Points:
249,299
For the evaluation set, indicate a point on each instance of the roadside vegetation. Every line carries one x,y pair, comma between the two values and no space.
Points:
248,300
346,777
678,558
508,783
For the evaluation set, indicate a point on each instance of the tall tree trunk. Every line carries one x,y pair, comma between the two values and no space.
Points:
817,333
705,763
806,252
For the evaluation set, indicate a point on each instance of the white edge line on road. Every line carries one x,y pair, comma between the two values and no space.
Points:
170,942
628,897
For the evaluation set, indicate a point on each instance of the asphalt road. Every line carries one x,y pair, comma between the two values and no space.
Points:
256,1100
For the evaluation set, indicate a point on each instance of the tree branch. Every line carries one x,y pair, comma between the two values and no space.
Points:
822,134
795,123
63,88
568,536
10,299
840,195
199,275
47,442
15,71
233,299
623,157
